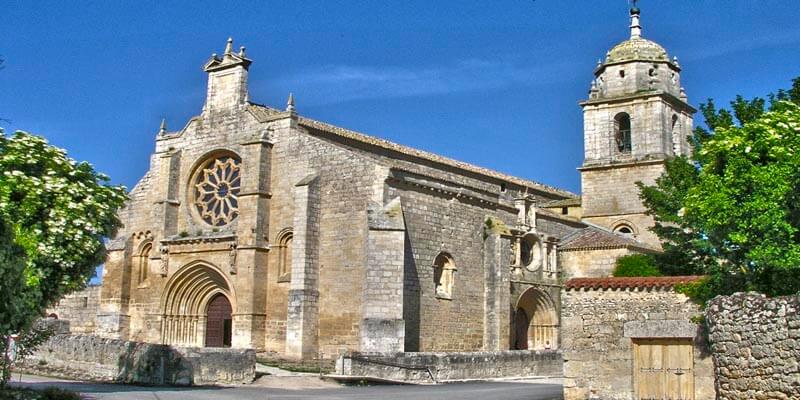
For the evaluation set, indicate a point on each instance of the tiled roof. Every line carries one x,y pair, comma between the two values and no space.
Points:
648,282
593,238
263,112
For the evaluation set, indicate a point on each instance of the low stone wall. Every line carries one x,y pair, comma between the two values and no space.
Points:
101,359
755,342
445,367
80,309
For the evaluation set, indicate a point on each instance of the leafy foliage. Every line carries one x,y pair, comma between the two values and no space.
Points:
57,212
636,265
733,213
13,306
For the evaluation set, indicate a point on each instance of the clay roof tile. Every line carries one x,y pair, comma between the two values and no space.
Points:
648,282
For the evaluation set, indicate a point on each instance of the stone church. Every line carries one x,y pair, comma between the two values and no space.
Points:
257,227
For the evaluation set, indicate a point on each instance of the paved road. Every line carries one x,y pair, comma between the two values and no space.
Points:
518,390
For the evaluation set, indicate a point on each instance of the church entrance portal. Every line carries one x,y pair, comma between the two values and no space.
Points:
218,322
535,322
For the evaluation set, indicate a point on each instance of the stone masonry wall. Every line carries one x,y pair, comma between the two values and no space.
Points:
589,263
80,309
597,343
755,342
610,196
444,367
101,359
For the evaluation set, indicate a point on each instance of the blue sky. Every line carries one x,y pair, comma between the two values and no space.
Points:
491,83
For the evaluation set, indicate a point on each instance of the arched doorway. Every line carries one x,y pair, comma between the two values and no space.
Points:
193,292
218,322
535,321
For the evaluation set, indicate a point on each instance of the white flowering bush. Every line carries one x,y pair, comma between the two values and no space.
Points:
58,211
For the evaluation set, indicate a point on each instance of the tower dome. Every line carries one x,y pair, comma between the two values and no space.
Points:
637,49
636,65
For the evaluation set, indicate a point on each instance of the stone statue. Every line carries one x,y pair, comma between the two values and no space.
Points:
232,258
164,250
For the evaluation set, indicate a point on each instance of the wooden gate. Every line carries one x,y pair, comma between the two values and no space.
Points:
218,322
663,369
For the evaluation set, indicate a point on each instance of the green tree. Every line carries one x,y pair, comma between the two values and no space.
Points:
732,212
635,265
57,213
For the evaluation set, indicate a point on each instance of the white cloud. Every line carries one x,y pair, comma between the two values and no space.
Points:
339,83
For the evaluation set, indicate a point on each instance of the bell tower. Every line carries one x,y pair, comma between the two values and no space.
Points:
636,117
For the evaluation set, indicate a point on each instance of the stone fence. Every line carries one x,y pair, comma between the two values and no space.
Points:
755,342
447,367
80,309
101,359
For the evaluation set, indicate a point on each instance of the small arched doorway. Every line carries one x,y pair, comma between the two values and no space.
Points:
218,322
535,321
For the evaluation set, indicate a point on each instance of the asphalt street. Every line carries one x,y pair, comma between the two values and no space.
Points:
527,390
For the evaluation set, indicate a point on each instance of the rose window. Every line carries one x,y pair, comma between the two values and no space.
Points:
217,191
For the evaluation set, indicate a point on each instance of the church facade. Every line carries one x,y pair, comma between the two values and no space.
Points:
257,227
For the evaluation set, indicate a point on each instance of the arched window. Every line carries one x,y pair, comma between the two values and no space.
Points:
144,262
443,276
285,257
622,132
624,229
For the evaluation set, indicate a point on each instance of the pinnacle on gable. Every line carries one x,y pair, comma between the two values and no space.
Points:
163,128
228,59
290,103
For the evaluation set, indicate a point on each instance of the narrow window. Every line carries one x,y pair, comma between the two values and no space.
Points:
622,73
285,257
144,262
443,276
622,132
564,210
676,136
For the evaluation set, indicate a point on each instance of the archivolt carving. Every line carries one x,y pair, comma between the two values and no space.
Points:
541,318
184,303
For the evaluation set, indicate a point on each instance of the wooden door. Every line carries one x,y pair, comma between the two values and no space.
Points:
663,369
218,322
